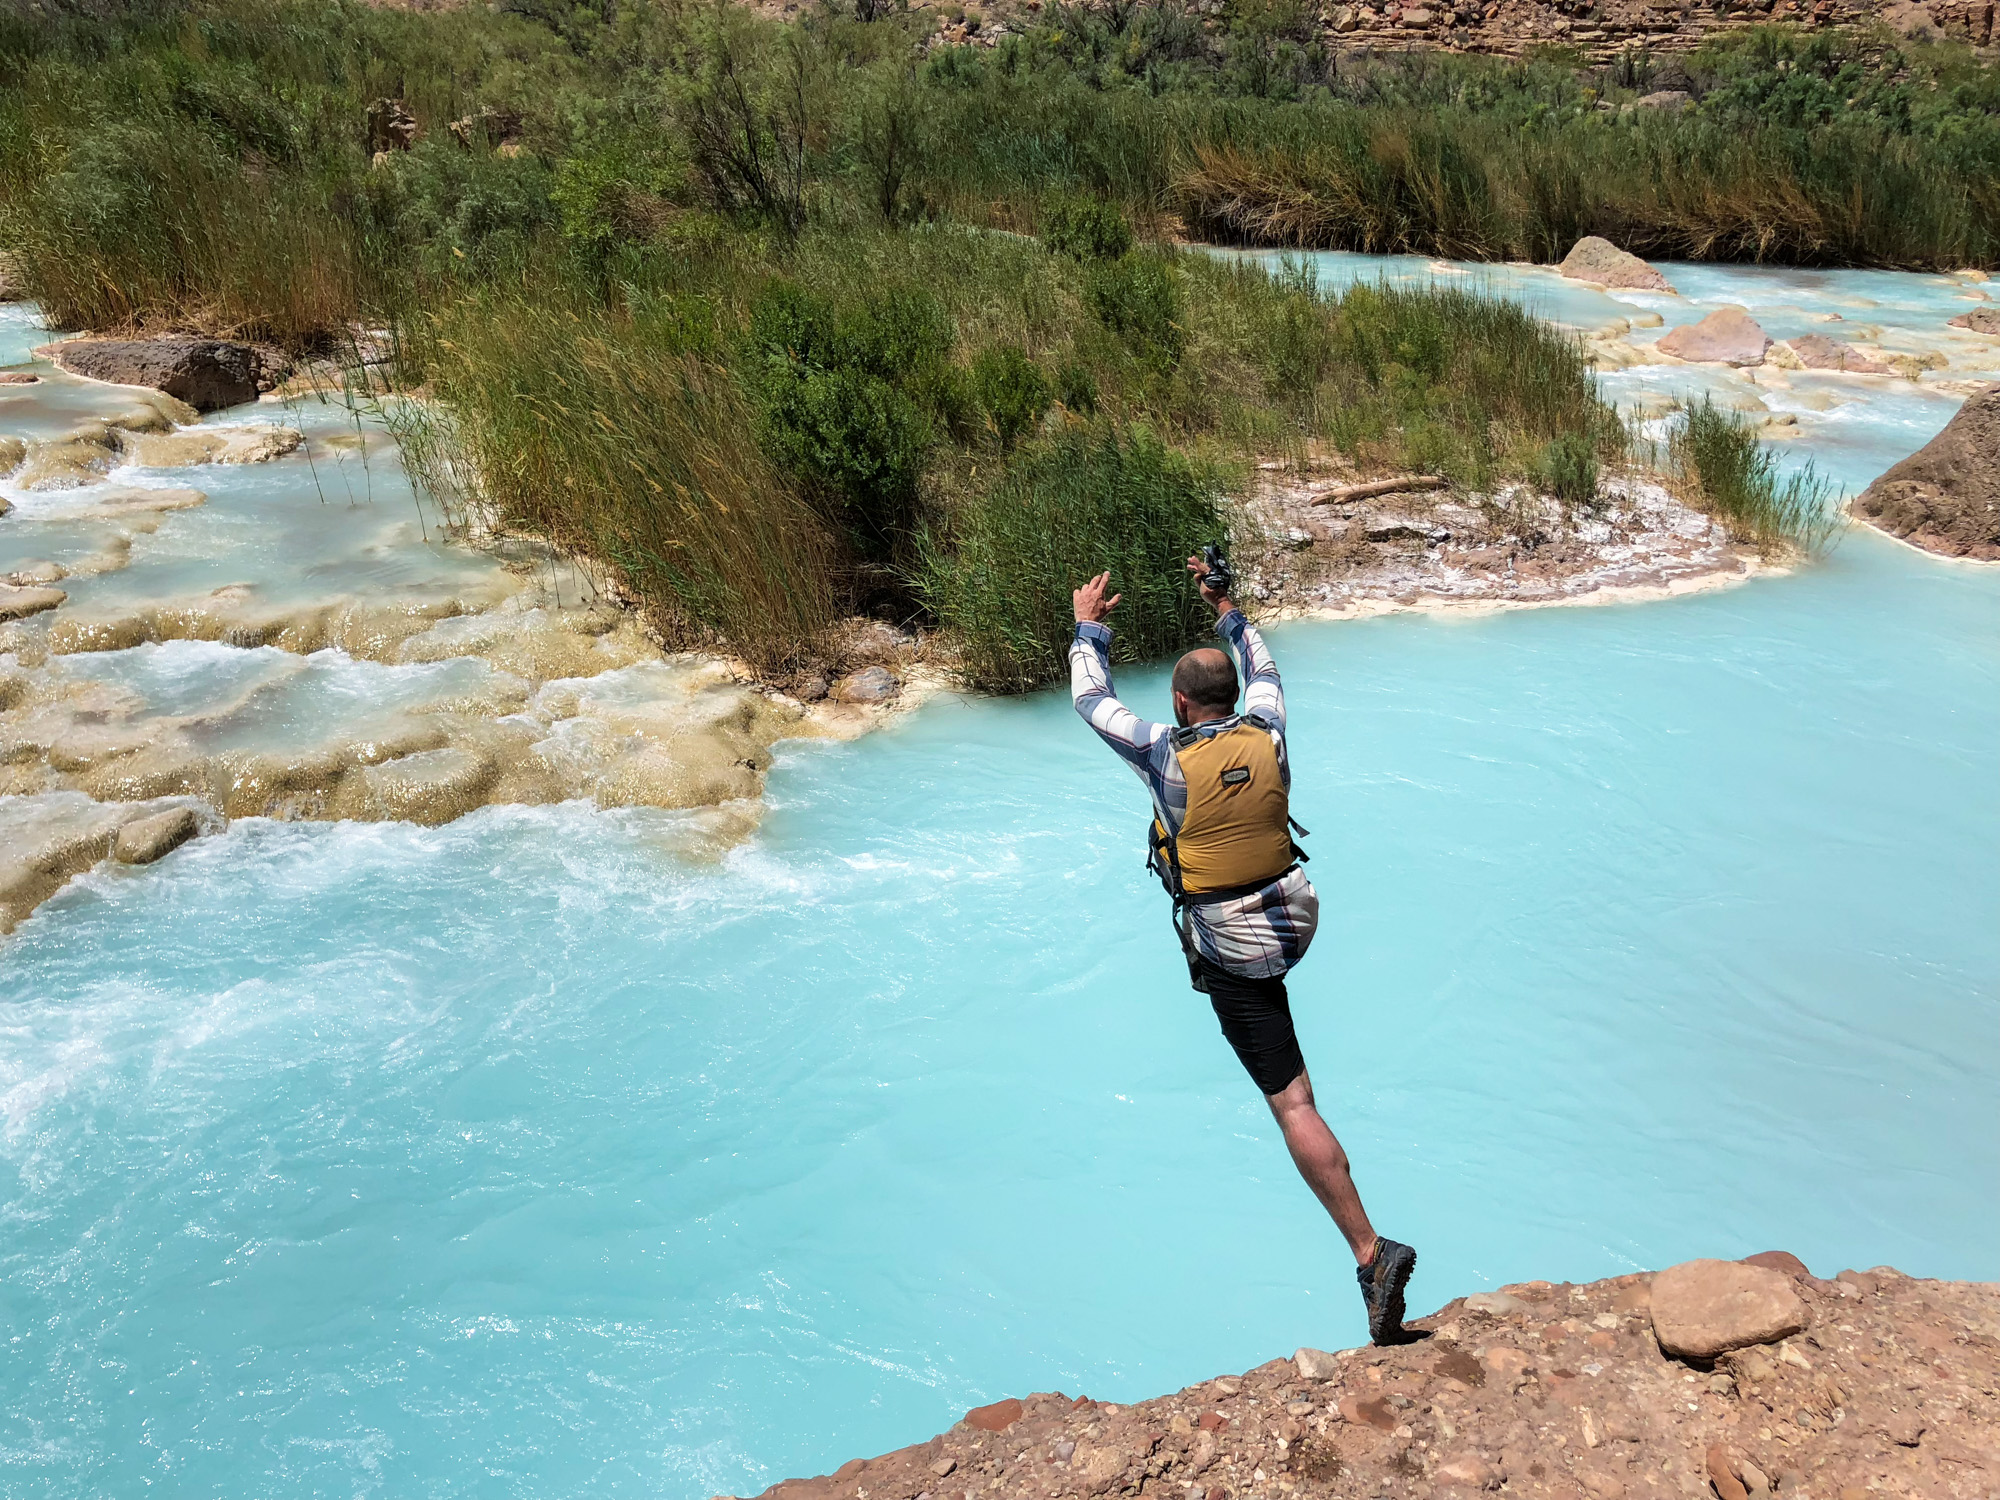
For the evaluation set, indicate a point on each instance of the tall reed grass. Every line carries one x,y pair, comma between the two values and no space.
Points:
1724,470
606,434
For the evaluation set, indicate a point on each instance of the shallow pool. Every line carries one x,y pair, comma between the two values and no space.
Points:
518,1158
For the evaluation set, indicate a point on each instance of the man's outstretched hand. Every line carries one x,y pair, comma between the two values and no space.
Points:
1091,605
1198,566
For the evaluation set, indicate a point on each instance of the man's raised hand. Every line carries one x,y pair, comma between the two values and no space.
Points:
1198,565
1091,605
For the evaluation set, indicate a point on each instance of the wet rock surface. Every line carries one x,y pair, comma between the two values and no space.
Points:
1945,497
208,374
1559,1391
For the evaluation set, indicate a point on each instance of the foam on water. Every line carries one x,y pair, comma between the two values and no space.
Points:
521,1157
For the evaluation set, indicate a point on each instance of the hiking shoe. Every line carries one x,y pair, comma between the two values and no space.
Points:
1382,1282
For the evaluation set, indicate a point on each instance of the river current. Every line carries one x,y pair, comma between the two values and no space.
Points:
525,1156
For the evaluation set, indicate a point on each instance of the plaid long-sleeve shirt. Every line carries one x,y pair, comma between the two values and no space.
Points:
1260,935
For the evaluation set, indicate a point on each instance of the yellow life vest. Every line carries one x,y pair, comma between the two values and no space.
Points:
1237,831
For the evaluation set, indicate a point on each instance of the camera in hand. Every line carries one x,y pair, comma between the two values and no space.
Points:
1219,577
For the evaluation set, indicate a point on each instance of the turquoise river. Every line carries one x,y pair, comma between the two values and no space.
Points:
521,1157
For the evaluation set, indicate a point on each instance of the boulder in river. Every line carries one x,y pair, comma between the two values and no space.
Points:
1945,497
1727,336
1593,258
1979,320
206,373
1816,351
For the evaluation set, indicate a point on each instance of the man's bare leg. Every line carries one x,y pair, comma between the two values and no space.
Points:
1323,1164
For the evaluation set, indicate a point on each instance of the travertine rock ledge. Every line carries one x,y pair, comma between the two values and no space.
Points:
1891,1388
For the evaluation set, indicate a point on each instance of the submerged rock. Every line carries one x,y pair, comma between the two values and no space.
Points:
1594,259
212,445
1945,497
206,373
148,839
47,840
1728,336
17,603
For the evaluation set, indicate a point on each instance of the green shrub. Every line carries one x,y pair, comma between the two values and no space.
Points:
1139,298
848,398
1085,228
1726,471
1012,390
1076,386
1087,500
1567,469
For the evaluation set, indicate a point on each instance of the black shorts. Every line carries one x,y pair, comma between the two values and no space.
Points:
1256,1017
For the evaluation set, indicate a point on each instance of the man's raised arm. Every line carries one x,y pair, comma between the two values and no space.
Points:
1090,681
1263,691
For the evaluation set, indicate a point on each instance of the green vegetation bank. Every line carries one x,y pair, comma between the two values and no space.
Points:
789,320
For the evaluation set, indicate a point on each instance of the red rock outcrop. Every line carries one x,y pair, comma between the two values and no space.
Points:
1892,1388
1945,497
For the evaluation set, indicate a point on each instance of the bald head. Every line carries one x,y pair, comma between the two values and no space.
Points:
1207,679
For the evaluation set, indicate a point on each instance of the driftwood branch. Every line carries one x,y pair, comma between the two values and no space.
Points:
1376,487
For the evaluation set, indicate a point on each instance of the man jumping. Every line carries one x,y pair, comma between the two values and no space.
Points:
1222,845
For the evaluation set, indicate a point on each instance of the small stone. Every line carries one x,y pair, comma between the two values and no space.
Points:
1904,1428
812,690
869,685
1298,1408
1471,1471
1754,1480
1226,1385
146,839
1367,1411
1212,1421
1316,1364
995,1418
1702,1308
1723,1477
944,1466
1506,1367
1499,1304
1061,1449
1720,1383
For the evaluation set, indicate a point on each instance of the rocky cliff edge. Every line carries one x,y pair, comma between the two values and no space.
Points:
1737,1380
